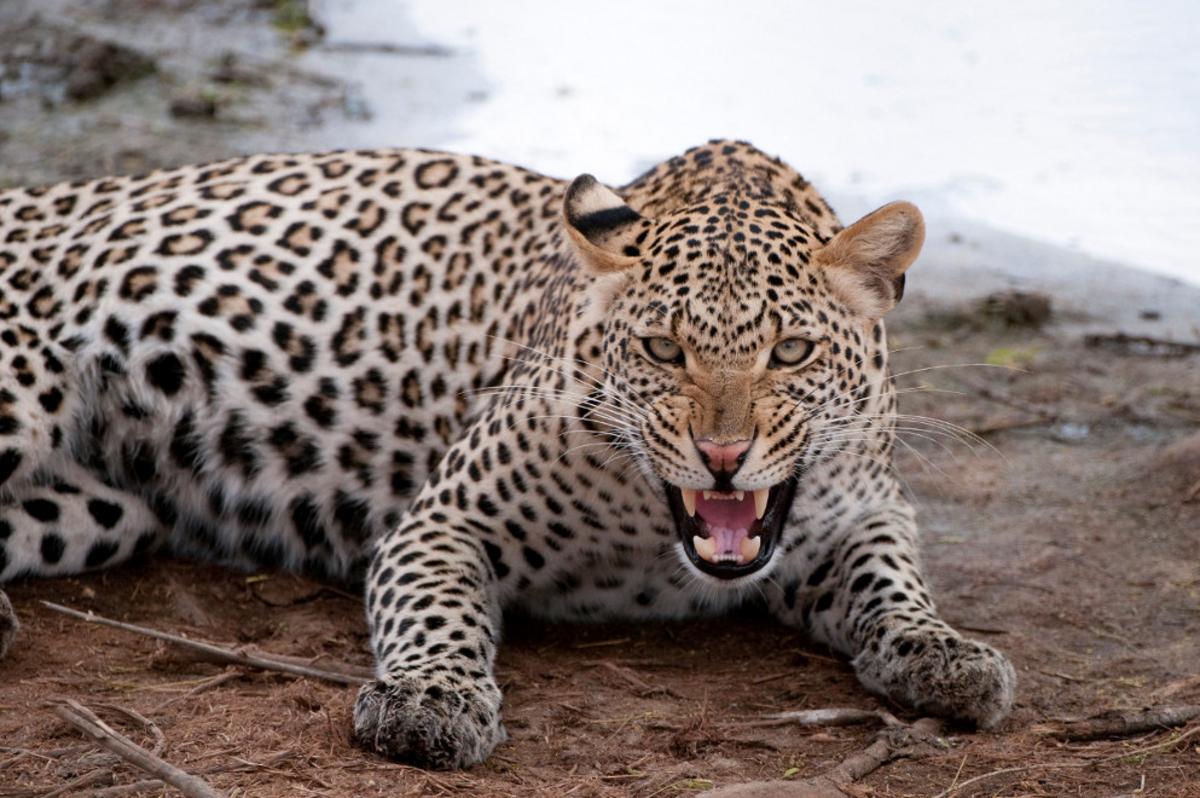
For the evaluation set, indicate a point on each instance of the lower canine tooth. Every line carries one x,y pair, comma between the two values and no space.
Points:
750,547
689,500
705,547
760,501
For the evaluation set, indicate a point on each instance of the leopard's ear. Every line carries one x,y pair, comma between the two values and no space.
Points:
602,227
865,263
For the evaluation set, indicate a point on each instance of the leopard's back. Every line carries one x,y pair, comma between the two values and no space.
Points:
273,351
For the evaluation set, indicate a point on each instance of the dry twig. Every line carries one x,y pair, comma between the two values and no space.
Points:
996,424
833,716
1143,345
70,788
1193,493
892,742
240,766
771,677
204,686
1177,686
634,680
362,673
217,653
86,721
132,788
1116,723
160,741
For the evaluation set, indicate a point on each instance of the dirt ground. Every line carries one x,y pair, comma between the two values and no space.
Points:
1067,537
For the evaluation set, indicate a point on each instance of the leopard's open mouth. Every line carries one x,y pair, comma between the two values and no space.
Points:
730,534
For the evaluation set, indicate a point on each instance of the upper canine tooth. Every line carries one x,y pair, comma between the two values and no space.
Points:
750,547
705,547
760,501
689,500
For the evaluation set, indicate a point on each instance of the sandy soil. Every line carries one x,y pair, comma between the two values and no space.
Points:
1067,537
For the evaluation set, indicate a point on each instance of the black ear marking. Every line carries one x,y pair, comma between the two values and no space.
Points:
594,210
601,225
597,223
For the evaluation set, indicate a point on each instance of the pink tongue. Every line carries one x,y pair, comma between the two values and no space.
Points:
727,513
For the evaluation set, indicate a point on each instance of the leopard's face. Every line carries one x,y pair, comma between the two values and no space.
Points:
738,350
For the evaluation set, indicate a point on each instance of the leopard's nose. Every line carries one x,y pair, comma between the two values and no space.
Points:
723,459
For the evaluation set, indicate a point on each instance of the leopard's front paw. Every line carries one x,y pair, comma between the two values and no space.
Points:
8,624
428,722
941,674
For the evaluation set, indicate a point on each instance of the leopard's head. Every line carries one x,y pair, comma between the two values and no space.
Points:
739,347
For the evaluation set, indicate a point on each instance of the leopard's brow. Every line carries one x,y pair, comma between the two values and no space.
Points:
658,309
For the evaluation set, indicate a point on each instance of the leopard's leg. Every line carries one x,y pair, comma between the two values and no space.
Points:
34,400
66,521
862,594
63,520
434,614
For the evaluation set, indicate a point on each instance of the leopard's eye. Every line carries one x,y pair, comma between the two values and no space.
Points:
664,350
791,352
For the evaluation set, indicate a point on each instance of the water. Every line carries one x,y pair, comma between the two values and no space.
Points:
1075,124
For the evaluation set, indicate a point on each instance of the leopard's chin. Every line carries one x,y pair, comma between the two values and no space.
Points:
730,534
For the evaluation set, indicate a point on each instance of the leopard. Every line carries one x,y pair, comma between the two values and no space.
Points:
471,389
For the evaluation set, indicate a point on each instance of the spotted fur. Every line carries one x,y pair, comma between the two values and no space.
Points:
427,371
